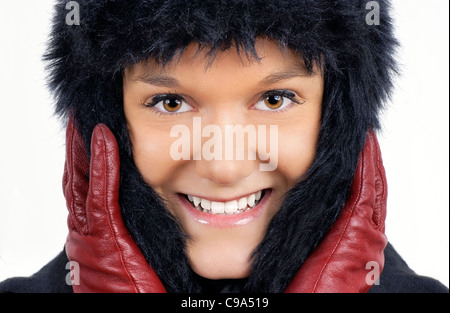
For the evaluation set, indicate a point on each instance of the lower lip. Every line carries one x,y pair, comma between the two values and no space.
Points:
225,220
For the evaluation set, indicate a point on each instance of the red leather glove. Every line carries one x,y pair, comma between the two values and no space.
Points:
109,260
339,263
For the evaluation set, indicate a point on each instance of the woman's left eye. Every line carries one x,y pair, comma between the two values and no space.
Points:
276,100
169,104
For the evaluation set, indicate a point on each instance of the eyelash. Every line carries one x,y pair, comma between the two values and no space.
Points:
281,93
158,98
161,97
173,96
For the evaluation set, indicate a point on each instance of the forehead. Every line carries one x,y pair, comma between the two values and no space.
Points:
195,60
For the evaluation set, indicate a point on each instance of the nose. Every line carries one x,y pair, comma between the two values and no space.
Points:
225,172
228,152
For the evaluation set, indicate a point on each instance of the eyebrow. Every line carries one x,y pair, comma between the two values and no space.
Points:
171,82
284,75
159,80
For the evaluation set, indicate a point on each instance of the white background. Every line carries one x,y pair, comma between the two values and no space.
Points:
414,142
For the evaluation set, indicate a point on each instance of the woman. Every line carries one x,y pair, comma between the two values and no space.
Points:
169,202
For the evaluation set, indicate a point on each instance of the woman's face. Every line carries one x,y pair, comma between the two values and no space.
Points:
222,143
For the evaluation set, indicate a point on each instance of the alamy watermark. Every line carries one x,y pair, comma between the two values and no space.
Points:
73,17
73,277
373,17
373,276
227,143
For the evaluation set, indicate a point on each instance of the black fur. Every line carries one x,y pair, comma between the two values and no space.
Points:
86,63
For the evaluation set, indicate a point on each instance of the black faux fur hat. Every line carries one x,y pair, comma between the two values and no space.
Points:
86,64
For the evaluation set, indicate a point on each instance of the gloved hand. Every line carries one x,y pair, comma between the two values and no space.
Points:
356,240
109,259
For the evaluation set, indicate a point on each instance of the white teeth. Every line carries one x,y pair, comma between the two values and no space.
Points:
242,203
251,200
217,207
230,207
206,204
258,195
196,200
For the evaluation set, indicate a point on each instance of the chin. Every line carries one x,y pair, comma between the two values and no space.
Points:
232,272
220,263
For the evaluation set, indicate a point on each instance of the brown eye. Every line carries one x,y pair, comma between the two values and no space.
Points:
172,105
169,104
274,101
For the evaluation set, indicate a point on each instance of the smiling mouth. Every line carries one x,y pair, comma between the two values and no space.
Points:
237,206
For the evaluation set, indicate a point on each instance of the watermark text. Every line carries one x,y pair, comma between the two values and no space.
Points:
373,17
229,143
73,17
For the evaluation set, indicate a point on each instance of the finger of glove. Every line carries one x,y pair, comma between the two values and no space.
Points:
369,190
75,179
379,211
103,196
122,257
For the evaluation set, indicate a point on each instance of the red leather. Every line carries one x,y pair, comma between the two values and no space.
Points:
338,264
110,261
108,258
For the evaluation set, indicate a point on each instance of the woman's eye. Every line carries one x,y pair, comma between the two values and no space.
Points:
169,104
276,100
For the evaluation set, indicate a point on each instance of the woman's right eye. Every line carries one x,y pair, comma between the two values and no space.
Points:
169,104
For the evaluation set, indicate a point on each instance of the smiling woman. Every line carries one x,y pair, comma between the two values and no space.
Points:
225,151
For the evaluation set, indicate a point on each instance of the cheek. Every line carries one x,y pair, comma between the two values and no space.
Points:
151,151
296,153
